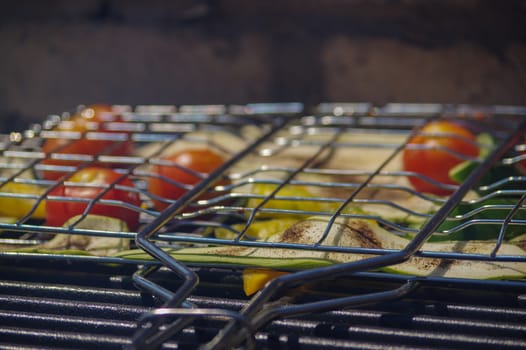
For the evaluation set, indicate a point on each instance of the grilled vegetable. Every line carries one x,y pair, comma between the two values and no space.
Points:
494,176
494,207
462,170
521,165
255,279
88,184
187,168
303,201
356,233
295,198
18,199
258,229
486,209
520,241
435,154
90,119
297,201
236,256
76,244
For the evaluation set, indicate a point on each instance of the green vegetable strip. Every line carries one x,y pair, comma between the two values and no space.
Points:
355,233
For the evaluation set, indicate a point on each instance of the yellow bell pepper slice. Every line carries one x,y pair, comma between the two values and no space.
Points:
12,206
255,278
261,229
301,204
306,205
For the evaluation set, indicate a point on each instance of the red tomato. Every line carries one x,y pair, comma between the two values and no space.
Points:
92,119
58,212
188,165
433,162
522,164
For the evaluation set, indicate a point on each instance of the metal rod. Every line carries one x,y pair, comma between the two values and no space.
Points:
505,224
190,278
280,283
294,173
269,314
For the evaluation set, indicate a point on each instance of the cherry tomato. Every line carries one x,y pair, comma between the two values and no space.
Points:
521,165
58,212
92,119
187,168
433,162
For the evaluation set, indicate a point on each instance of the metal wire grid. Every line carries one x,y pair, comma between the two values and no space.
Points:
281,131
160,127
301,133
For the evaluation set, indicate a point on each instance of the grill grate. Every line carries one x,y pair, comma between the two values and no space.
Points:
277,147
97,305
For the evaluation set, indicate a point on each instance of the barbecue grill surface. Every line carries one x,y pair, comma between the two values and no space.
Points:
64,305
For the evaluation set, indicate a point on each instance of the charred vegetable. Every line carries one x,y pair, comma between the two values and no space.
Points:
355,233
90,184
77,244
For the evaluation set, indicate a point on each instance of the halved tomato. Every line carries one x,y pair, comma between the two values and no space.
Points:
92,119
92,182
434,151
187,168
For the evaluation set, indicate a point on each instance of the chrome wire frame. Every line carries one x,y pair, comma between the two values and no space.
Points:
283,126
258,312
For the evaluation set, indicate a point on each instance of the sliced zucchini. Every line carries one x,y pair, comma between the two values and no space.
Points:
300,202
241,257
356,233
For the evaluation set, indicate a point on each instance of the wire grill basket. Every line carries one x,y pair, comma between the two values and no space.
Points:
338,166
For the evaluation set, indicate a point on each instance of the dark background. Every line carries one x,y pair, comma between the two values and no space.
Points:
56,54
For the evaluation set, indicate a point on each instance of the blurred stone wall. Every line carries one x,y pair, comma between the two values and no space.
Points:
56,54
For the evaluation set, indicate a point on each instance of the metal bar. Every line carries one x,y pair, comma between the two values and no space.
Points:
193,314
151,239
272,313
294,173
468,322
506,222
358,189
226,337
190,279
